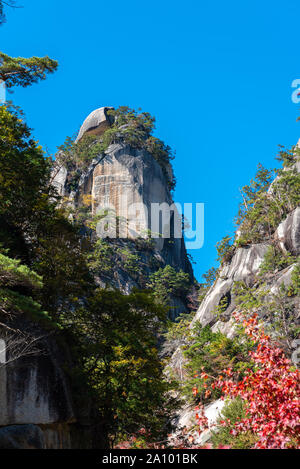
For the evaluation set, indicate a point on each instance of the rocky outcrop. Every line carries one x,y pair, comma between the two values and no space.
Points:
243,267
186,419
288,233
96,123
37,409
130,185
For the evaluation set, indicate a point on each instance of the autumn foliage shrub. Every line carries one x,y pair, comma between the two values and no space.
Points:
270,390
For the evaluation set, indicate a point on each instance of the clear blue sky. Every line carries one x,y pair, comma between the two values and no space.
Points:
217,76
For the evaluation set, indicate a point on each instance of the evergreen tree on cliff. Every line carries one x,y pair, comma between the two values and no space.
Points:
20,71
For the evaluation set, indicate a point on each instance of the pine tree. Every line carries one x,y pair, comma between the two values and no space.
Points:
20,71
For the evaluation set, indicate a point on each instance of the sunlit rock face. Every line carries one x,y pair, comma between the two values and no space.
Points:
288,233
186,419
37,409
96,123
130,182
243,267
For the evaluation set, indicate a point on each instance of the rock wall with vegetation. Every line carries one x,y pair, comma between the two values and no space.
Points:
259,274
113,163
81,316
103,342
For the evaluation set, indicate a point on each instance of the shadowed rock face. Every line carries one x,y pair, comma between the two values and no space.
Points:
34,391
35,399
245,265
22,437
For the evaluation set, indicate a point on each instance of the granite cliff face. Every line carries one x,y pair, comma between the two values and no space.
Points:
245,266
37,406
130,182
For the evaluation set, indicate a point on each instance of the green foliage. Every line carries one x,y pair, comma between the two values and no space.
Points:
251,193
278,309
288,156
210,276
18,285
225,250
101,259
180,328
24,176
108,255
128,126
286,190
12,273
262,210
130,261
167,282
19,71
60,257
78,156
14,304
249,299
117,352
145,242
232,412
275,260
211,352
33,228
222,305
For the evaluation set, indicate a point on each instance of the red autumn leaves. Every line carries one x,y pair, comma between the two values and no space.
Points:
271,390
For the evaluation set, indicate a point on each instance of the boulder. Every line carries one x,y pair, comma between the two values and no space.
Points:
285,279
288,233
187,420
95,123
